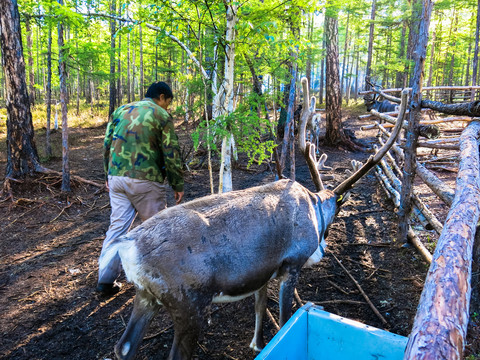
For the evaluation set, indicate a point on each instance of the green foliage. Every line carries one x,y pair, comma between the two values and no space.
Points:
249,131
269,32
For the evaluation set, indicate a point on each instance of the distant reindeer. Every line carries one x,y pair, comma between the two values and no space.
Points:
314,126
371,102
225,247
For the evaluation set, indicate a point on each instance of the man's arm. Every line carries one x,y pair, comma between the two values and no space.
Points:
172,158
106,146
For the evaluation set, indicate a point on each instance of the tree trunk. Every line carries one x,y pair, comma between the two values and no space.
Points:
432,57
413,121
348,84
142,79
467,72
62,72
370,43
357,74
452,57
113,96
288,133
119,63
322,71
129,90
31,72
387,60
133,67
78,67
38,55
48,145
400,78
345,50
223,102
440,326
333,98
256,84
475,53
308,65
413,36
22,156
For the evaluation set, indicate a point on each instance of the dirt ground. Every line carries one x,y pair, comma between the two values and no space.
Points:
50,243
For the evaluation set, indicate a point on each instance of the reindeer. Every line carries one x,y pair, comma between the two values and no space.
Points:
225,247
314,126
372,102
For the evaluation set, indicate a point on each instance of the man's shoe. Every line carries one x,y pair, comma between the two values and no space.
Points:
108,289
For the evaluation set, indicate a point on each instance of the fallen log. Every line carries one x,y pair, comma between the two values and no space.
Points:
447,120
428,131
468,109
427,88
395,195
432,219
443,191
438,146
423,122
421,218
392,187
393,113
417,244
440,325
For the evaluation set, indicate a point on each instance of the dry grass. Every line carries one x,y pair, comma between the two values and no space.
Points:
85,119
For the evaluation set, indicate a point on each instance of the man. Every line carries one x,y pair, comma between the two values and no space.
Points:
141,150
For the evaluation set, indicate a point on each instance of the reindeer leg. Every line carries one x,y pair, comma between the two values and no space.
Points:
287,289
258,343
186,323
144,309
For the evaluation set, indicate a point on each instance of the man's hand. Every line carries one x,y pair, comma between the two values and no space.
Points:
178,197
106,185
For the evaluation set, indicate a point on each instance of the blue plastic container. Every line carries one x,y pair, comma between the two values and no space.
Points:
314,334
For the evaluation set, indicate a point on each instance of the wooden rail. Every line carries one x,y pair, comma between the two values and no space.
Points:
441,322
428,88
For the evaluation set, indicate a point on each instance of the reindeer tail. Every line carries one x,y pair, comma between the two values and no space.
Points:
125,247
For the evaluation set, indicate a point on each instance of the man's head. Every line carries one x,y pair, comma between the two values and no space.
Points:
161,93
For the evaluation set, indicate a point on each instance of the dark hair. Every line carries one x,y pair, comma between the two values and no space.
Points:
158,88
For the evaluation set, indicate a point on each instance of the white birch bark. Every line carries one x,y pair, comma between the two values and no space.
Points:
226,89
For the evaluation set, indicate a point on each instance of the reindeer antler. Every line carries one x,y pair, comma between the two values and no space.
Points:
375,159
307,148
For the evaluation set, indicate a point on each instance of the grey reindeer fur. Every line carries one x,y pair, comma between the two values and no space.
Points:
227,245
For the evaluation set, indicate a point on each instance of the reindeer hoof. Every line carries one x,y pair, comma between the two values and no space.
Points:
256,347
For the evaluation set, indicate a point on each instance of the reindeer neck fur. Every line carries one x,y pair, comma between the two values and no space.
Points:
327,199
325,204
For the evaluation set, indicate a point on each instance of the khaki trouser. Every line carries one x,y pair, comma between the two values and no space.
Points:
128,196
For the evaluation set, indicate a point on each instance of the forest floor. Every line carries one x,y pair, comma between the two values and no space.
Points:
50,243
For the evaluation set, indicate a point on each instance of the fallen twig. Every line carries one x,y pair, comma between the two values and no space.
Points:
349,302
362,292
298,299
74,177
272,319
338,287
61,212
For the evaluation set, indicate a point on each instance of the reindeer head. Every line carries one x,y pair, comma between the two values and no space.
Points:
369,100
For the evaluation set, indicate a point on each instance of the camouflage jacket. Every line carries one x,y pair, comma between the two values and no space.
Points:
140,142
